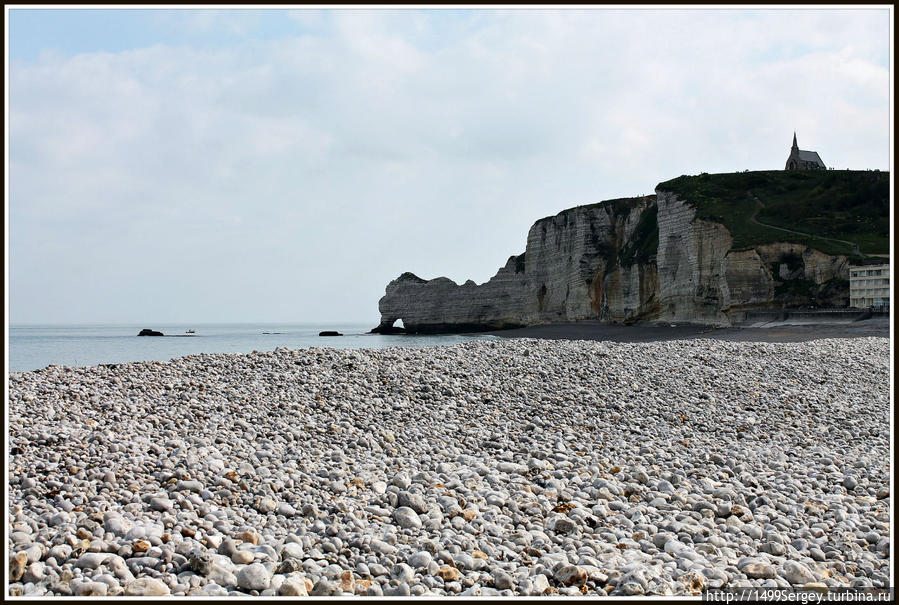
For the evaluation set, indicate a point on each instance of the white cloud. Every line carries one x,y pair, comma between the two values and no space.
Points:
391,141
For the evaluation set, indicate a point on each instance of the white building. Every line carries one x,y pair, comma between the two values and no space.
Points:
869,286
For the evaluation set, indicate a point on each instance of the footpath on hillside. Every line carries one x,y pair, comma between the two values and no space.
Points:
759,205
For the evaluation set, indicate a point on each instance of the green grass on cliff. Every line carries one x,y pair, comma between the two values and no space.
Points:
619,206
839,204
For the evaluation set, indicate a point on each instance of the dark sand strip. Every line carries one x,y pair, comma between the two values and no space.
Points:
771,332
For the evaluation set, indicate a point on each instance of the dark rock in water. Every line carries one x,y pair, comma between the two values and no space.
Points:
330,333
146,332
387,328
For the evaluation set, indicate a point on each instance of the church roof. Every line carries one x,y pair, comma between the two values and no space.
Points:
810,156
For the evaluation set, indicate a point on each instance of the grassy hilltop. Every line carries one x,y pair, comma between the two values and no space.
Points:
850,205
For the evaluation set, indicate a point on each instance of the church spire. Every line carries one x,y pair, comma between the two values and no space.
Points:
795,145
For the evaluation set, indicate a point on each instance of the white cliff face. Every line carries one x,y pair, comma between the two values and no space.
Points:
561,277
564,255
691,264
581,264
440,305
749,281
630,293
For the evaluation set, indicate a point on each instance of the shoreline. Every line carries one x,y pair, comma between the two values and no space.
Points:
774,331
790,330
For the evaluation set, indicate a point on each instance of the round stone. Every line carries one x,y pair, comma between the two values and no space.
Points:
254,577
146,587
407,518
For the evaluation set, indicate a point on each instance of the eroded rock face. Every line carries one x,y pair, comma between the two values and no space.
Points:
562,276
748,279
691,264
645,258
629,293
440,305
579,264
814,265
702,280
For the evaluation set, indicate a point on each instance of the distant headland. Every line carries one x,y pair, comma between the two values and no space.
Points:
709,248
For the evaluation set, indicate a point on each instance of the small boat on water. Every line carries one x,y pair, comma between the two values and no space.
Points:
190,332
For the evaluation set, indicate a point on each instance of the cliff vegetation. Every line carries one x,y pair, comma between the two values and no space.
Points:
818,207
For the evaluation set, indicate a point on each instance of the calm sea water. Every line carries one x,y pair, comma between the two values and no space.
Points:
36,347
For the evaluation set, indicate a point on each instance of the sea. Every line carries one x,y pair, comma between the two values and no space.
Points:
34,347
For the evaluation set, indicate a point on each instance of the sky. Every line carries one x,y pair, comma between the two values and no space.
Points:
199,166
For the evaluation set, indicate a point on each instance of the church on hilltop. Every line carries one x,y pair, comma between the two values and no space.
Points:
803,160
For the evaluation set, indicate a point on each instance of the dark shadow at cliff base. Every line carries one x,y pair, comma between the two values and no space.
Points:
459,329
772,332
437,328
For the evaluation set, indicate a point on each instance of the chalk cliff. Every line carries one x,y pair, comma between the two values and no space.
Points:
703,279
636,259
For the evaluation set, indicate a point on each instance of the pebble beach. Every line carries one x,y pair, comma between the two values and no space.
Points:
492,467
